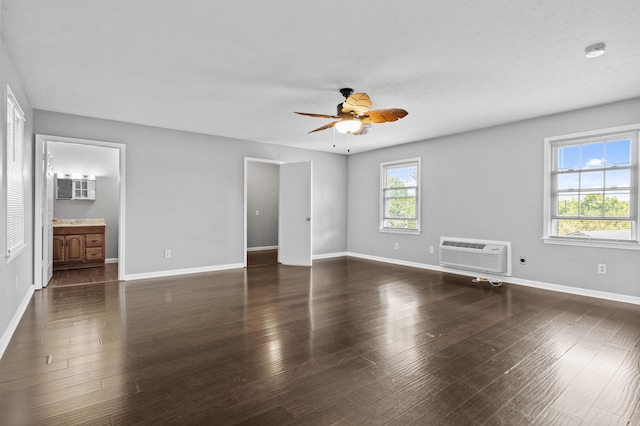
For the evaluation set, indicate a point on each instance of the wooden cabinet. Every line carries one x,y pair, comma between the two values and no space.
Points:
78,247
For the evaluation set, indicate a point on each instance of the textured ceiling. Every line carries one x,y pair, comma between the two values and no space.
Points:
240,68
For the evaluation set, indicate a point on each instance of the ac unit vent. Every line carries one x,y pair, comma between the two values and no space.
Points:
463,244
481,256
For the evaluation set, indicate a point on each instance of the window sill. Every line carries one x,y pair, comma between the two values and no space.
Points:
400,231
624,245
15,252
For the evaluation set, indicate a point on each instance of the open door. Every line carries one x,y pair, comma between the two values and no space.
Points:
47,225
294,224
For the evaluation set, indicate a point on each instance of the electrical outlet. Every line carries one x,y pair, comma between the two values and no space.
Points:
431,249
396,246
602,268
257,212
167,254
523,260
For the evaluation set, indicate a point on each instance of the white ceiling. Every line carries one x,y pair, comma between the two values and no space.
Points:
240,68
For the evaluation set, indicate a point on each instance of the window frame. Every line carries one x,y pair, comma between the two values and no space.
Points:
383,174
550,193
14,176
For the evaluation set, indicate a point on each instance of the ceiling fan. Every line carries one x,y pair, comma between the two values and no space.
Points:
353,114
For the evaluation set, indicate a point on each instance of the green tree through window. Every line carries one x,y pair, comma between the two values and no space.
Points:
400,196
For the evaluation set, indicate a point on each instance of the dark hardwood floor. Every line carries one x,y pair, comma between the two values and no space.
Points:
262,257
346,342
102,274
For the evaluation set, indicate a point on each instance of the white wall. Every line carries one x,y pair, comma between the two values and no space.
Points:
263,181
488,184
16,277
185,192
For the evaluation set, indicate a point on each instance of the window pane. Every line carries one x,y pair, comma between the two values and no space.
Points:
567,205
619,152
568,181
614,230
616,204
399,177
593,156
592,179
569,158
401,208
591,205
404,192
618,178
400,223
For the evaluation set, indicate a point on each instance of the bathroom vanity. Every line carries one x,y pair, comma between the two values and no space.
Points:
78,243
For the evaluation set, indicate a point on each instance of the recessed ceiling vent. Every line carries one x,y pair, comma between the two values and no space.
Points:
475,255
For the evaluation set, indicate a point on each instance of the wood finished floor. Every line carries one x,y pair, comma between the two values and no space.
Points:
102,274
347,342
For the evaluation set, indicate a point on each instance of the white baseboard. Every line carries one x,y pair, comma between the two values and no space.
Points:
113,260
512,280
171,273
262,248
329,255
13,324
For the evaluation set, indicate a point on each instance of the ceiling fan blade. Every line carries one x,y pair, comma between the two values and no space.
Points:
317,115
359,103
386,115
325,127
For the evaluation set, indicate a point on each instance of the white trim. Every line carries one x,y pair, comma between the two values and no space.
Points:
40,150
112,260
624,245
616,297
329,255
262,248
15,252
13,324
186,271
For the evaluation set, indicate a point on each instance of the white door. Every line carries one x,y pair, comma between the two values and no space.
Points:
47,221
294,224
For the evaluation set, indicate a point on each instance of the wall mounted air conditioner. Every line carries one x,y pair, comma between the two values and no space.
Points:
476,255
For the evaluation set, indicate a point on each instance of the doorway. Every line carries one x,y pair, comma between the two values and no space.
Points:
277,212
88,155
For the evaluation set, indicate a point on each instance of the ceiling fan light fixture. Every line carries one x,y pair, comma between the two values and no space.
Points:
594,50
349,126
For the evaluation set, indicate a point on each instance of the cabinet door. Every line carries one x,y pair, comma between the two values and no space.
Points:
75,248
58,249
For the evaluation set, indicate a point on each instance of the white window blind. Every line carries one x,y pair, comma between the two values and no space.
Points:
14,173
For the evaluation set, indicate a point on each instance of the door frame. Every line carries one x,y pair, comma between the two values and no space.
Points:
248,160
39,194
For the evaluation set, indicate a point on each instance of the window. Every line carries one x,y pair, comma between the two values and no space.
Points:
592,188
14,171
400,196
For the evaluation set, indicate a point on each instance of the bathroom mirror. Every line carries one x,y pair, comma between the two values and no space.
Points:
75,187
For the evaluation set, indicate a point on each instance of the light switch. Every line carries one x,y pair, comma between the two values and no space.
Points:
257,212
